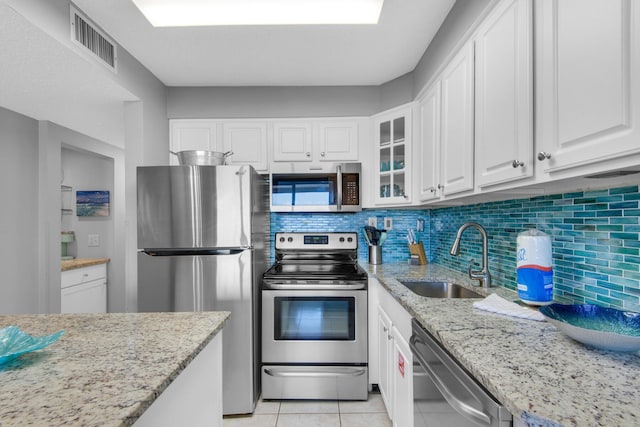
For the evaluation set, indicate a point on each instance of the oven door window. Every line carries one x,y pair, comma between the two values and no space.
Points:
314,318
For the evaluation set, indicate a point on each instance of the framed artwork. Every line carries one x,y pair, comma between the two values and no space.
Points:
92,203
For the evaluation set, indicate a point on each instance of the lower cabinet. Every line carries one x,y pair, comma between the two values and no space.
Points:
84,290
394,362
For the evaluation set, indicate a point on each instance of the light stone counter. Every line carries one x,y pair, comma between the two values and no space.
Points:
106,370
72,264
537,372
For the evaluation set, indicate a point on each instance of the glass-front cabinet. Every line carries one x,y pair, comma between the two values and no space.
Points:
392,152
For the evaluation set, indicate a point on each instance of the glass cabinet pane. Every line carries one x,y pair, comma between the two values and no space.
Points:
398,129
385,186
385,133
398,157
398,185
385,159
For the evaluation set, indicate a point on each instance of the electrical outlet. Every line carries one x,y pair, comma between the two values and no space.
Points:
373,221
94,240
420,225
388,223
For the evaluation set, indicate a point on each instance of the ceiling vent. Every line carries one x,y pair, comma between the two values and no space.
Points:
95,42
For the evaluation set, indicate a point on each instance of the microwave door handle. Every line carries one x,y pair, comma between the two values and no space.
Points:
339,185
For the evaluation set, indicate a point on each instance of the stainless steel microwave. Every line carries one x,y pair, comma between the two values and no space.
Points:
334,189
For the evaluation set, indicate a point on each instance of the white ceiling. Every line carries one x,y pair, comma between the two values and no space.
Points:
316,55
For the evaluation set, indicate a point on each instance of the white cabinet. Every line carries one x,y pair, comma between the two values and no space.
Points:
315,141
248,142
385,354
587,85
194,398
402,367
456,134
193,135
393,364
504,94
392,157
84,290
446,129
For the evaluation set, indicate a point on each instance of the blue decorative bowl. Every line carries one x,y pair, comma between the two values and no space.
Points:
14,342
600,327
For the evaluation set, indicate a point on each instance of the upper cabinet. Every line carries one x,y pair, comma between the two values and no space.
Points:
246,139
392,162
446,130
504,94
315,141
587,82
248,143
193,135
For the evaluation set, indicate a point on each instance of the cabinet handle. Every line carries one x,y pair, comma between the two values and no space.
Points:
322,154
517,163
543,155
308,154
405,195
432,189
440,187
384,328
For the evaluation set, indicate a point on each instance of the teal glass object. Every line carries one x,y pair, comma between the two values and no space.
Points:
14,342
600,327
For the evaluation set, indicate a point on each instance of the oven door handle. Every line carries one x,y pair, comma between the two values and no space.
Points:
313,286
441,384
337,372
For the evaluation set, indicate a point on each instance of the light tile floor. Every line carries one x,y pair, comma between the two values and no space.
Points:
315,413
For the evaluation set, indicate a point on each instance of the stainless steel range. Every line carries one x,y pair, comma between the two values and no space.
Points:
314,319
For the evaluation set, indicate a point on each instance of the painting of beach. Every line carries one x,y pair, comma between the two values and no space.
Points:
92,203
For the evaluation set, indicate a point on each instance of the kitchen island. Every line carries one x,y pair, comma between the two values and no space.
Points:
108,369
543,377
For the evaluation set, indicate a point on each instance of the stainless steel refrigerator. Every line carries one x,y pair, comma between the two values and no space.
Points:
203,232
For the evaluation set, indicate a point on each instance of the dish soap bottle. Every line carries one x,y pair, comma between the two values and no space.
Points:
535,272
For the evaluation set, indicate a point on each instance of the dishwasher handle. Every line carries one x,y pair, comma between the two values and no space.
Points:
464,409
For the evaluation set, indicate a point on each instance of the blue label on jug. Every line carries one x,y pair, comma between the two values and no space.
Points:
535,283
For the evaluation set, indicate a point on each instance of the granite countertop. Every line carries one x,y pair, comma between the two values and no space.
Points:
71,264
106,370
537,372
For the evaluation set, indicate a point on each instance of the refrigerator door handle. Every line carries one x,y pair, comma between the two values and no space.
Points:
193,252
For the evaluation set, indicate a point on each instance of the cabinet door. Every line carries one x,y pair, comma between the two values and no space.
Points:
89,297
402,381
392,165
588,90
429,170
385,350
457,123
337,141
248,142
292,142
192,135
504,94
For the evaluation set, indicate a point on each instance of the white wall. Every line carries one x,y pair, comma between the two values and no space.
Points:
19,213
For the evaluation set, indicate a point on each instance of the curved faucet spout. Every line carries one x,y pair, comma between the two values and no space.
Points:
484,276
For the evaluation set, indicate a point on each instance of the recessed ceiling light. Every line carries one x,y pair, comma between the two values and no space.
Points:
181,13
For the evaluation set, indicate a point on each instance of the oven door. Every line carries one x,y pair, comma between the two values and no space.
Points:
314,326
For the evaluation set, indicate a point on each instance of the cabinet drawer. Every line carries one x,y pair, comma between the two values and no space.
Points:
83,275
90,297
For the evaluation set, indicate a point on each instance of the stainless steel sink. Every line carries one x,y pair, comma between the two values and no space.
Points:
434,289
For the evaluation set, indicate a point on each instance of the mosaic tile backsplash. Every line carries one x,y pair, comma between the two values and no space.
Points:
594,242
394,249
595,239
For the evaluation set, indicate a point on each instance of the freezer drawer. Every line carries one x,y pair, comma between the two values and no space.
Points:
314,382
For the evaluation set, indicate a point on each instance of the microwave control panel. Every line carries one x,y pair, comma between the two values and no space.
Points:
350,190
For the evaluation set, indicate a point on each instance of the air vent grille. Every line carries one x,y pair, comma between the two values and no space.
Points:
99,45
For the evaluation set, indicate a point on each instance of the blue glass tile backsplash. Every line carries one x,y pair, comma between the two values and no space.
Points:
395,248
595,239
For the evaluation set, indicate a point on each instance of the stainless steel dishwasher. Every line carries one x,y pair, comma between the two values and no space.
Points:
444,393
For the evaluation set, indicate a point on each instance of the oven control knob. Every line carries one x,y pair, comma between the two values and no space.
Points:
349,239
290,239
342,240
281,239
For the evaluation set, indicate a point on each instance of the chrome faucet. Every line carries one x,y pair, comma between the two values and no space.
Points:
483,275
